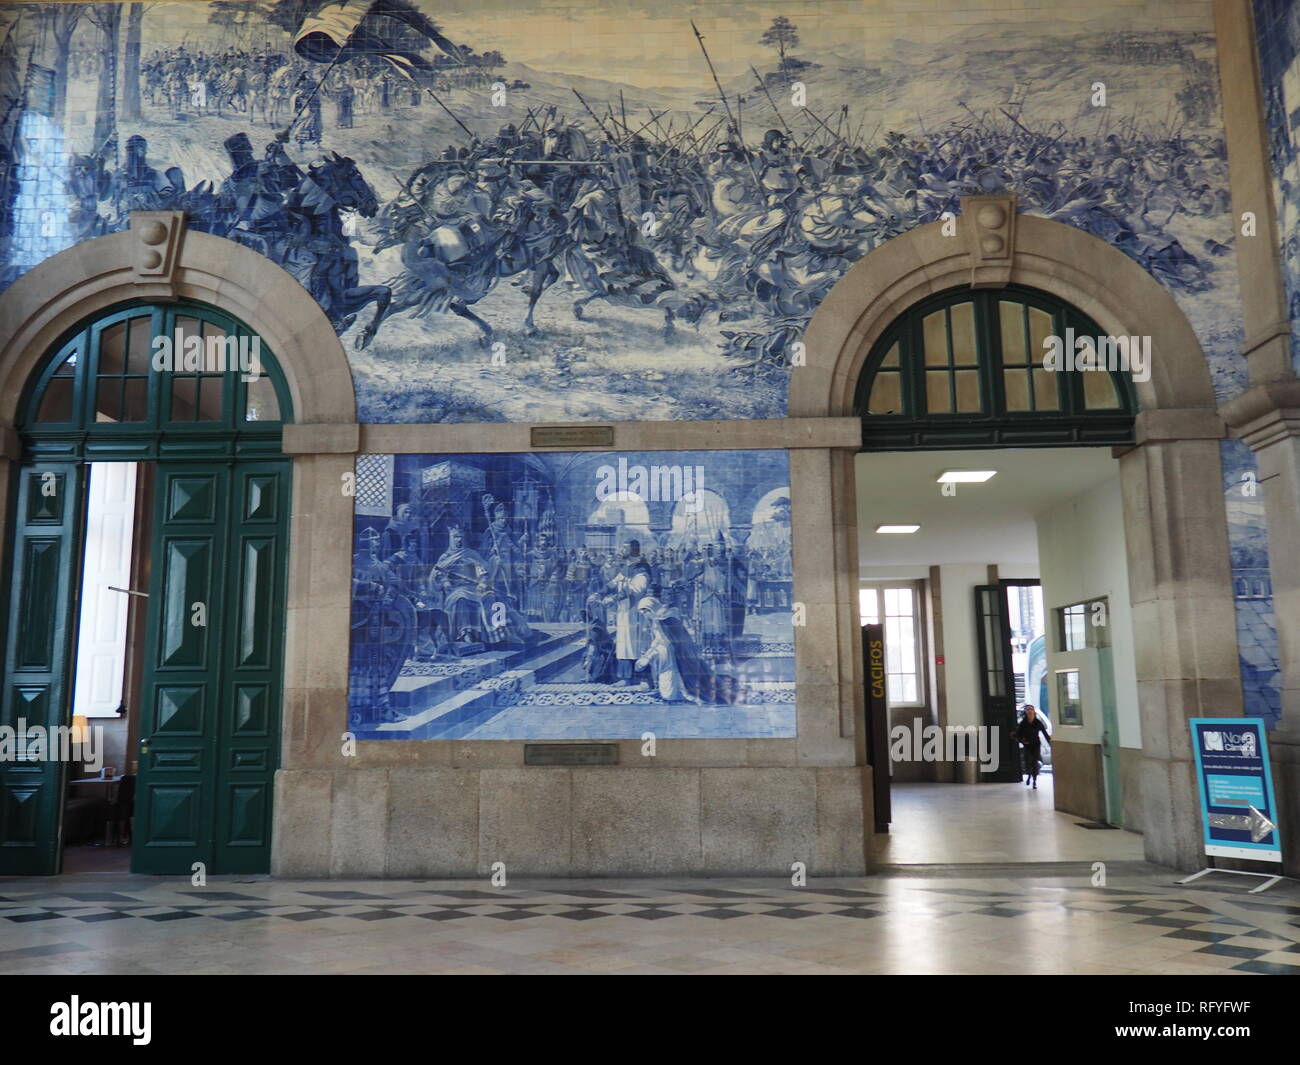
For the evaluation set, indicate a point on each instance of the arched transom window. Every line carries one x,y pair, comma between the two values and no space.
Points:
148,381
971,368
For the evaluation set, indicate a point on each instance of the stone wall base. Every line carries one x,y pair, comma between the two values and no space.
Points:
1077,780
571,822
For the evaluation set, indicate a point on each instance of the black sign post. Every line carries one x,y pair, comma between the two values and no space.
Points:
877,721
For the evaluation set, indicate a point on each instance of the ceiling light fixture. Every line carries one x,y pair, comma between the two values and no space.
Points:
897,528
966,476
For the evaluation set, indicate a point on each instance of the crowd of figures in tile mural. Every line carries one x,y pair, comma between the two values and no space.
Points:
541,213
525,596
593,206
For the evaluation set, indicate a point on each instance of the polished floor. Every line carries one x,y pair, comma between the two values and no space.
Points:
973,879
959,919
945,823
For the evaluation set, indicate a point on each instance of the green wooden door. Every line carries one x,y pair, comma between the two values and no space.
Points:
997,686
38,651
210,699
248,725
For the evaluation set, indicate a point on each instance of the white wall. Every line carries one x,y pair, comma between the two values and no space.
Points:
1082,555
957,584
102,627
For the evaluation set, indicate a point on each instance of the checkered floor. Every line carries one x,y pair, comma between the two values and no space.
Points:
959,919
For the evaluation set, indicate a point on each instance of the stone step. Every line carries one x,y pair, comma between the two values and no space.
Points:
443,706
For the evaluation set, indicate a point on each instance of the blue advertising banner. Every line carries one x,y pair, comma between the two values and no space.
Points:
1236,788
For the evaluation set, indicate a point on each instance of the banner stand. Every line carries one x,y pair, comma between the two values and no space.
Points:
1235,785
1270,878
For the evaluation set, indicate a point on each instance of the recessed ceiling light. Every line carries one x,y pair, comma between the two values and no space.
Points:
897,528
966,476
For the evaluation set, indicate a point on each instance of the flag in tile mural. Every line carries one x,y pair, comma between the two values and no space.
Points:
341,31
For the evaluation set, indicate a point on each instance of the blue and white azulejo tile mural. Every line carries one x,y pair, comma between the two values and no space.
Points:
1252,584
523,212
585,595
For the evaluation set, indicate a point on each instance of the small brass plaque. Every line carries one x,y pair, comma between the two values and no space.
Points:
572,436
570,754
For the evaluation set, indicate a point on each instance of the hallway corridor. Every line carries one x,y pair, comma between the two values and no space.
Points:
939,824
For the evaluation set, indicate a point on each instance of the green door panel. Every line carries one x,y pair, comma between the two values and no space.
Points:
249,724
997,686
212,683
180,694
38,653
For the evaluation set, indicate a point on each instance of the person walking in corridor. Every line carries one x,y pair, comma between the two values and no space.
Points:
1030,732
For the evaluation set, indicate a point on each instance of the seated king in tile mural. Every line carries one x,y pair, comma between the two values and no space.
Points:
583,612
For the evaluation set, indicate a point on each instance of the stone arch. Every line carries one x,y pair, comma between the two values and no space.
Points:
1175,517
158,259
1075,266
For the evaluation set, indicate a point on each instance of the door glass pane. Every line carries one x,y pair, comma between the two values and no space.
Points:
894,631
211,389
108,399
886,395
135,406
995,683
112,349
963,334
184,399
216,357
892,358
262,405
1040,328
1016,385
187,327
935,339
1099,392
968,390
140,349
1011,316
937,400
56,404
1047,390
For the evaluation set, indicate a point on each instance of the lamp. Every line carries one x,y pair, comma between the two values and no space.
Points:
79,734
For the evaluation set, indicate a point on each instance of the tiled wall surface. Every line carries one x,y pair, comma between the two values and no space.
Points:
1277,29
559,226
628,263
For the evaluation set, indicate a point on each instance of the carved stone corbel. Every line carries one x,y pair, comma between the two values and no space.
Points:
989,229
156,242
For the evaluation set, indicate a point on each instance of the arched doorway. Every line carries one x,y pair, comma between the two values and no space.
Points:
963,373
190,400
1173,508
221,477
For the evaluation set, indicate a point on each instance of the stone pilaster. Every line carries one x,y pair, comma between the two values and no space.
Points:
1267,418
